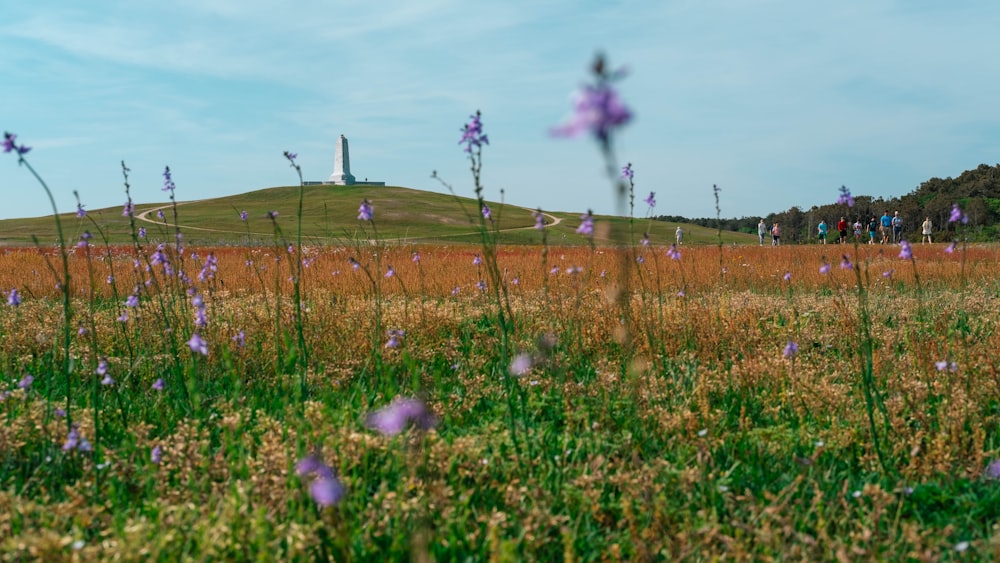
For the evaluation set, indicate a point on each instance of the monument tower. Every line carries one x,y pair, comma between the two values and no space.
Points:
341,165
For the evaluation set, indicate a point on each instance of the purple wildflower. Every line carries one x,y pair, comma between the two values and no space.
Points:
476,260
472,133
644,240
950,248
395,338
391,420
365,212
787,276
198,344
945,365
487,214
825,268
904,250
888,273
142,232
845,197
520,365
243,216
791,349
673,253
272,215
240,338
957,215
586,227
481,285
354,263
156,455
992,472
80,211
9,145
390,272
128,209
160,215
598,110
627,171
325,488
132,301
845,262
13,298
102,367
26,381
539,219
291,156
416,257
640,259
651,199
74,441
168,182
158,385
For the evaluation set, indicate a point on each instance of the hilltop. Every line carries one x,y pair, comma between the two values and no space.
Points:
402,215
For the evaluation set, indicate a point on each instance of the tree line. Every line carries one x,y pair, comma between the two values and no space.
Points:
976,191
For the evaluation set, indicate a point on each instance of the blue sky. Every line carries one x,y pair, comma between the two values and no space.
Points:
778,102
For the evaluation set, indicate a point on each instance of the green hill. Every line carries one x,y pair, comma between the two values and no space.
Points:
329,216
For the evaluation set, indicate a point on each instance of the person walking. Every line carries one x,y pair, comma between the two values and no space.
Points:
821,231
857,231
679,234
886,226
872,229
925,231
775,235
897,228
761,231
842,229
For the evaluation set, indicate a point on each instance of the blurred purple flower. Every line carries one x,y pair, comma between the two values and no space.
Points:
957,215
644,240
845,262
486,212
673,253
639,259
651,199
476,260
272,215
325,488
365,212
128,209
945,365
791,349
26,381
992,472
481,285
243,216
520,365
395,338
142,232
845,197
160,215
391,420
787,276
905,252
390,272
472,133
586,227
627,171
291,156
888,273
198,344
825,268
13,298
156,455
80,211
158,385
240,338
132,301
74,441
950,248
598,110
539,219
416,257
102,367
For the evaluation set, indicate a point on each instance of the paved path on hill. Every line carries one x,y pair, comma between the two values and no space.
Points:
144,216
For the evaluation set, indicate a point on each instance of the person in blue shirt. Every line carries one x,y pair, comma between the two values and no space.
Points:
886,227
822,231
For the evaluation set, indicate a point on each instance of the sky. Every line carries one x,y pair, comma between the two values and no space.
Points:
777,102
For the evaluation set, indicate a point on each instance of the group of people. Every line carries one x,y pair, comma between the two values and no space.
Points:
885,230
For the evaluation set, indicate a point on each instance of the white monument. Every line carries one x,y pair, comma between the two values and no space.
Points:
341,165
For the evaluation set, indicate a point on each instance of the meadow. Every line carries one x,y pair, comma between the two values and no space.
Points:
495,384
544,423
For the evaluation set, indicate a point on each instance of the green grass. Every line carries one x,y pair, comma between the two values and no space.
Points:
330,216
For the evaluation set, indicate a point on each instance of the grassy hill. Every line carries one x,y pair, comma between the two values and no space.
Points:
330,217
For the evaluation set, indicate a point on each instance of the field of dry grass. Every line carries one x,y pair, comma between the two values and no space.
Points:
687,427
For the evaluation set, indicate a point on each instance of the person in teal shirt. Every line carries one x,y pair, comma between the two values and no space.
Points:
886,227
822,231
